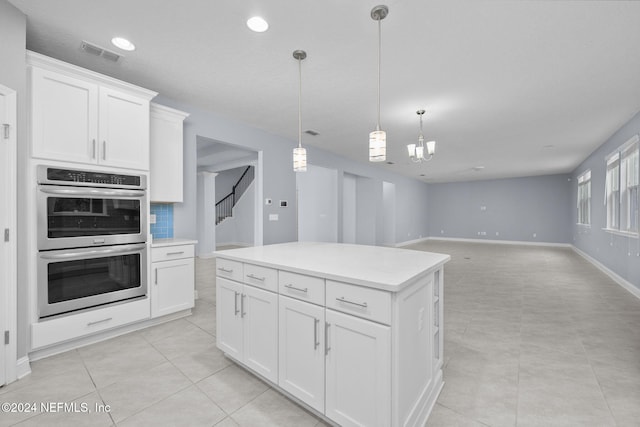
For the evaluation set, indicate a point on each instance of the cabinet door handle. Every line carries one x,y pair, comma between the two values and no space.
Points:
156,279
341,299
290,286
235,303
99,321
93,156
256,277
316,343
326,338
175,253
242,312
104,150
224,270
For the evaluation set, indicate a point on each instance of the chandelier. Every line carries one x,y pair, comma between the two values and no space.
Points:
422,151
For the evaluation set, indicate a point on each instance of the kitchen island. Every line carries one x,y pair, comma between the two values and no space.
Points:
352,332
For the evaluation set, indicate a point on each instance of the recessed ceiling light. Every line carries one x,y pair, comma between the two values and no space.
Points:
123,43
477,168
257,24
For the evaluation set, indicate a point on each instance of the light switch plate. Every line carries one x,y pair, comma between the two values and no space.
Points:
273,217
152,218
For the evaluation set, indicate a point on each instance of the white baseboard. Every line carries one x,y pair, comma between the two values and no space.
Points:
243,244
205,256
411,242
616,277
502,242
23,367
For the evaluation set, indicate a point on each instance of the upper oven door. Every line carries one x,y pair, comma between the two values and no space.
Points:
72,217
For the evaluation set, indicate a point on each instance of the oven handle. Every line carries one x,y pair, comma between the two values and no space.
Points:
92,192
84,254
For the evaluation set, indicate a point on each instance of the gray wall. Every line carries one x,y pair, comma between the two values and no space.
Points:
13,24
516,209
280,181
618,253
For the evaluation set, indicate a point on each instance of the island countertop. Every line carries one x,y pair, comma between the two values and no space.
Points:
390,269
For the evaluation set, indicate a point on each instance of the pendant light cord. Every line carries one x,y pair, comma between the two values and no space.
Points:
379,60
299,103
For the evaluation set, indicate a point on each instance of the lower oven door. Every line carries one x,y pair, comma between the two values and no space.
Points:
76,279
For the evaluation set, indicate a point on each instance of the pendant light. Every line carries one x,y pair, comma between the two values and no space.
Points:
378,138
417,151
299,153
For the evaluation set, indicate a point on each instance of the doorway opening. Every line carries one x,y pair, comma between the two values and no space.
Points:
230,188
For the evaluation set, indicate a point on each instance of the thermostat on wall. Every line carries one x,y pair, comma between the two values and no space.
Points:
283,203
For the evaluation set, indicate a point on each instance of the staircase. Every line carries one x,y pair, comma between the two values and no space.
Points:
224,208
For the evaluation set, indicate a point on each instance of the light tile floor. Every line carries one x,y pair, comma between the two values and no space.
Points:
533,337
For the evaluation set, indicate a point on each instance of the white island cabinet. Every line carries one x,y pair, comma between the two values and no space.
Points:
351,332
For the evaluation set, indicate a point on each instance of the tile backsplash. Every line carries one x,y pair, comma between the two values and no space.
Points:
163,228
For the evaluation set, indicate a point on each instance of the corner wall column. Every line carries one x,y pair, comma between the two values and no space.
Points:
206,214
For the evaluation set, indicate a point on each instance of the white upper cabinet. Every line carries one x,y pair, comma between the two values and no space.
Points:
64,119
166,167
123,129
81,116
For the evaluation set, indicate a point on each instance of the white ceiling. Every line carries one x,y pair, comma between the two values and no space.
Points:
519,87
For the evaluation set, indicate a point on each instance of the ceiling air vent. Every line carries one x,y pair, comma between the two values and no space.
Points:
311,132
99,51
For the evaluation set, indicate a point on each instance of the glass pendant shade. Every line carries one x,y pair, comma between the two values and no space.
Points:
411,148
378,146
431,148
299,159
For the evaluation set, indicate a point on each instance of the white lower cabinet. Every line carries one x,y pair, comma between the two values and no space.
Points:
358,371
301,353
357,355
228,321
172,285
247,326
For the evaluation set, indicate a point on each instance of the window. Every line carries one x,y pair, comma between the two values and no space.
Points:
584,198
621,187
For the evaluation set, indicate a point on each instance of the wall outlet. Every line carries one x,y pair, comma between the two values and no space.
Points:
441,231
268,201
497,233
483,208
535,235
152,218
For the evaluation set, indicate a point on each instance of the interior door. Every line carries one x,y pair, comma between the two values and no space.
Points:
317,204
7,241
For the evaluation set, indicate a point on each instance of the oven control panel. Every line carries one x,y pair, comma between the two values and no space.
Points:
51,175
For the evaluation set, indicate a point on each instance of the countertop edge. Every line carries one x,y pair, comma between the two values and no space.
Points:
161,243
346,279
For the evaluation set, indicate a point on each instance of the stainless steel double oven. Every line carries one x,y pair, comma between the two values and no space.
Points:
92,232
